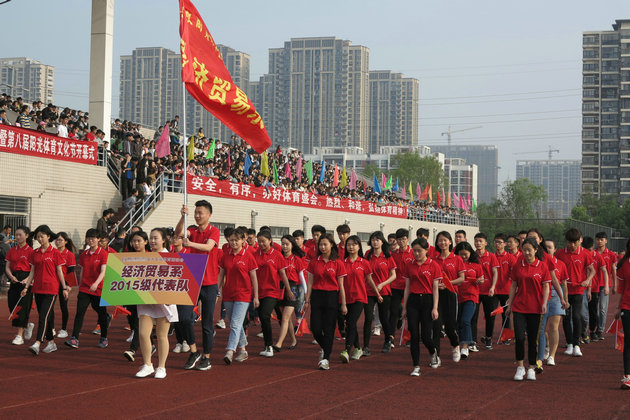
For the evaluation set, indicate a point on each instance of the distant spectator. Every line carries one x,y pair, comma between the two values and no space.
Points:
130,202
23,120
62,128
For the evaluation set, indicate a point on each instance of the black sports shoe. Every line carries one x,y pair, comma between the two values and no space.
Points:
130,355
366,351
386,347
192,360
204,364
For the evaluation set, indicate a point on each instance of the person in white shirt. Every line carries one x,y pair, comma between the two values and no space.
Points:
62,129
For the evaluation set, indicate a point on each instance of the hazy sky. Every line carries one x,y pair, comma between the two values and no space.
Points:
513,68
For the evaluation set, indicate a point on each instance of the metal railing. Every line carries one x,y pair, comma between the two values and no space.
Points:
439,216
143,208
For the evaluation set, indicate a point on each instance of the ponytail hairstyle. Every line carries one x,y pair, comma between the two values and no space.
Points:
69,244
295,249
540,254
356,240
142,234
465,246
624,258
542,239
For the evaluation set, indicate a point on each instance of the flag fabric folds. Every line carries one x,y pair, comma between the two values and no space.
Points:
208,81
353,180
211,149
384,179
396,187
248,164
344,178
377,188
190,149
163,145
264,164
309,171
275,173
287,171
322,173
336,176
425,192
388,184
298,169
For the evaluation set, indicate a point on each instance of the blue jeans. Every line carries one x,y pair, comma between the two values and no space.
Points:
585,316
466,311
603,309
236,312
542,338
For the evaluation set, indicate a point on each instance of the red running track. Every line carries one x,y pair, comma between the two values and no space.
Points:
100,383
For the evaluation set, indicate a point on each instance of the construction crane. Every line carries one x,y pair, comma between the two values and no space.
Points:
550,152
449,132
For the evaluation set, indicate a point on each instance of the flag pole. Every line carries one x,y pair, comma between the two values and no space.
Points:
502,328
185,155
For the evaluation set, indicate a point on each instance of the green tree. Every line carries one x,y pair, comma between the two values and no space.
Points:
418,169
520,200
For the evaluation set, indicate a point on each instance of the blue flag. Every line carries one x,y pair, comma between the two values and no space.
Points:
248,164
323,172
395,186
377,188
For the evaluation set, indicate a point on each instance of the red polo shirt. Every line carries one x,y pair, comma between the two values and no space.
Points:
20,258
69,259
488,261
469,289
598,278
91,263
45,279
576,263
237,286
355,282
422,276
202,237
294,266
325,273
529,279
506,261
381,268
451,266
623,286
610,259
269,264
401,258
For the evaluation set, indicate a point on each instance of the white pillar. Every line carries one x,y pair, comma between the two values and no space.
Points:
101,54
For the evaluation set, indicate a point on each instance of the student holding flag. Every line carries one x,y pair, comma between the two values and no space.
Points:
17,270
623,311
66,248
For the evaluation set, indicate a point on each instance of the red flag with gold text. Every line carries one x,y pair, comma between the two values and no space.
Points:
209,82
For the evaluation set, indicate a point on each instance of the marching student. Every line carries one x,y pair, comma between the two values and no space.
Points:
383,274
579,263
468,294
17,270
270,275
623,311
325,291
599,279
420,303
490,266
555,310
358,273
177,245
343,231
453,268
513,246
93,262
46,275
424,233
227,232
506,261
202,239
295,273
610,259
237,284
529,294
310,246
66,248
161,314
460,236
401,255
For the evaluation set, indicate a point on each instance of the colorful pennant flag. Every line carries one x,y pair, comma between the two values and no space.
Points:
353,180
377,188
322,173
309,171
388,184
210,154
344,178
264,164
275,173
190,149
336,176
298,169
163,145
248,164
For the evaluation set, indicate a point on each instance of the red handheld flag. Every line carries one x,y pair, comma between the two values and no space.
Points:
619,343
406,335
447,283
497,311
120,310
508,334
302,328
615,327
15,314
273,316
209,82
337,333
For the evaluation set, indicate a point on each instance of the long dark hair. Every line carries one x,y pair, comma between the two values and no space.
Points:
384,248
27,232
540,254
465,246
542,240
69,244
447,236
144,236
334,252
356,240
46,231
625,256
164,235
295,249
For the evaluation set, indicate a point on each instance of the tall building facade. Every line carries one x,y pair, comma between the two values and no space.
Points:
27,78
393,110
462,178
561,180
487,160
316,94
606,111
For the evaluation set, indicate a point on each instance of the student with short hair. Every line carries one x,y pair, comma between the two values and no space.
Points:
487,297
601,240
401,255
506,262
460,236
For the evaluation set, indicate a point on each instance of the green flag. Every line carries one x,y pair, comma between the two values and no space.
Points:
388,184
474,206
275,173
210,154
309,171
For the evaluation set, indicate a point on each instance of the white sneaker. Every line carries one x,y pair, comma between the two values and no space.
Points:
377,331
356,354
435,360
130,338
520,373
18,340
531,374
34,348
220,324
145,371
415,371
62,334
577,352
323,364
550,361
160,373
321,355
464,353
178,348
546,353
28,331
267,352
457,355
185,347
569,350
50,347
260,335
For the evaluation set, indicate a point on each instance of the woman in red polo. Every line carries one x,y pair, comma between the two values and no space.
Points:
420,302
17,269
46,277
66,248
324,294
529,294
623,311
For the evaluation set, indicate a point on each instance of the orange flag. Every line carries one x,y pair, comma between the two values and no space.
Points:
120,310
430,197
497,311
447,282
209,82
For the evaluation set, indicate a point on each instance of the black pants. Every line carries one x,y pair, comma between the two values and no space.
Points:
126,185
625,320
264,313
502,301
63,305
324,306
395,309
352,335
383,314
45,304
185,324
447,309
133,324
593,312
83,301
573,320
529,323
420,324
490,303
13,296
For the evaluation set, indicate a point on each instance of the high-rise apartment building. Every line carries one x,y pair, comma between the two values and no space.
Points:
606,111
561,180
487,160
462,178
393,110
27,78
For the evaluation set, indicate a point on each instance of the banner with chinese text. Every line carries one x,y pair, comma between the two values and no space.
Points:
41,144
226,189
133,278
